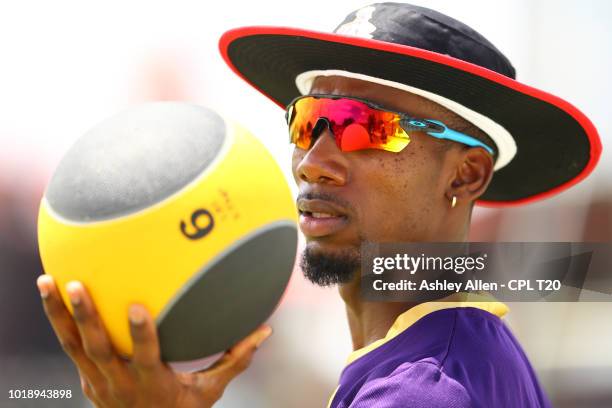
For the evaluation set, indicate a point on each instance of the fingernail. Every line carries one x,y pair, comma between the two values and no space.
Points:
74,289
265,333
136,314
43,283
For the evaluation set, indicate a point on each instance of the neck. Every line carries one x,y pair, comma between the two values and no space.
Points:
368,321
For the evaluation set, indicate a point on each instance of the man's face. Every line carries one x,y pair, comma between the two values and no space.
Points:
373,195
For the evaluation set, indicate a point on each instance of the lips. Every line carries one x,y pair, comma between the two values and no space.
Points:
319,218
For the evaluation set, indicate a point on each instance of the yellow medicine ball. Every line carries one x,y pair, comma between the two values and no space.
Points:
169,205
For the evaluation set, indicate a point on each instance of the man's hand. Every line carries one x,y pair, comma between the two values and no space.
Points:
144,381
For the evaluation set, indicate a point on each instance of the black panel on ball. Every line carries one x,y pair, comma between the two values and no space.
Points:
230,297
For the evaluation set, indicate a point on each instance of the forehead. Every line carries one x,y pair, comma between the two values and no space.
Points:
391,98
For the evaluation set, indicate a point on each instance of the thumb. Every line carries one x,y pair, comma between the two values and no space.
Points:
238,358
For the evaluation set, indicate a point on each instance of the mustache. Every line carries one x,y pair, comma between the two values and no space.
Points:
311,195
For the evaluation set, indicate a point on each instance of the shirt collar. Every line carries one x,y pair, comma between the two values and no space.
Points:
481,301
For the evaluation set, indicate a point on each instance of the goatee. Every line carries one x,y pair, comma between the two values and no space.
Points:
329,268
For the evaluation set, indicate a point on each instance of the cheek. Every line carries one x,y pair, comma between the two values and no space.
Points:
397,192
296,157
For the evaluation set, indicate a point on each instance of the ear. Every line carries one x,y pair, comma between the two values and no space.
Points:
472,175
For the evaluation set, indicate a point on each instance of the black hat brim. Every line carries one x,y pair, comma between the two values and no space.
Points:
557,145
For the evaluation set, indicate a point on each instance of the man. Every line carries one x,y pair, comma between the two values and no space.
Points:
397,135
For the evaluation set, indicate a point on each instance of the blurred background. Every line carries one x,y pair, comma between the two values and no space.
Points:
66,65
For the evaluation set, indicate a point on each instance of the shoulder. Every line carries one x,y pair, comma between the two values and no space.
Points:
482,340
417,384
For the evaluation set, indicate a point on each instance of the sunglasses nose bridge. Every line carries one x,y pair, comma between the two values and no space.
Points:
319,127
323,126
323,160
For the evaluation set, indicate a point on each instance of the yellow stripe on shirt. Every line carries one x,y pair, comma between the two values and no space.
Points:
408,318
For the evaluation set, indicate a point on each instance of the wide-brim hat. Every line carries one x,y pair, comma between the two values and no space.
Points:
544,144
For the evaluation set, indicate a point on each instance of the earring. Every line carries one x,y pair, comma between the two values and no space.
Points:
453,202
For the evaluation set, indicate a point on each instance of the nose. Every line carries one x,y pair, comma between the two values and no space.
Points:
323,163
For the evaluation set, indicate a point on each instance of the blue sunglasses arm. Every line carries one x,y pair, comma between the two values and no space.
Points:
456,136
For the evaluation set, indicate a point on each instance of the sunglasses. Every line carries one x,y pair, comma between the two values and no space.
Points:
358,124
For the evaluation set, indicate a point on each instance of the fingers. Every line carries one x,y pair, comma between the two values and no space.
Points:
96,343
239,357
108,380
146,355
65,329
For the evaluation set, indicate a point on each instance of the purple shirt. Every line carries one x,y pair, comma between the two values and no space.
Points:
452,358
